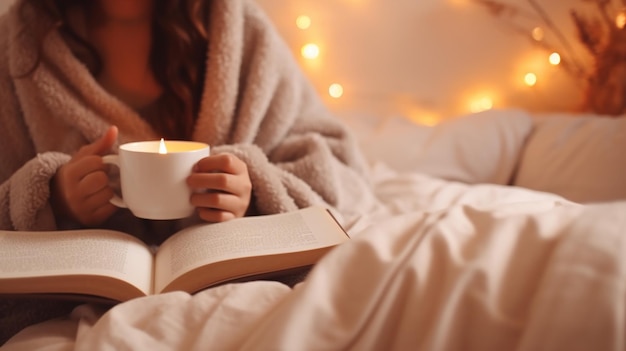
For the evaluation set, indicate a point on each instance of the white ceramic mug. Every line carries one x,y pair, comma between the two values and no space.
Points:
153,179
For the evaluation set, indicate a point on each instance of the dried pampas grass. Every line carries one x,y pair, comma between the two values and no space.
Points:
602,32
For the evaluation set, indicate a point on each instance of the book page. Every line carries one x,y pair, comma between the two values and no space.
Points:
301,230
82,252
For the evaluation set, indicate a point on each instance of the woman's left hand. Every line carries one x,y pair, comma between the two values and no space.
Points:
224,185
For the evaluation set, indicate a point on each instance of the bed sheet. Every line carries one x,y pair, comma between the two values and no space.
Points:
456,256
441,265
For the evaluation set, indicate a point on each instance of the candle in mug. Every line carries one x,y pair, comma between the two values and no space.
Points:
153,177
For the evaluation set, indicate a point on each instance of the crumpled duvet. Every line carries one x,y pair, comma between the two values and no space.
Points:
479,267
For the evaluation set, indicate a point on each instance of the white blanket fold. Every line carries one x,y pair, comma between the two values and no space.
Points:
531,275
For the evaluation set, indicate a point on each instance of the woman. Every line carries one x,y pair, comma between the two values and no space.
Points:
79,77
212,71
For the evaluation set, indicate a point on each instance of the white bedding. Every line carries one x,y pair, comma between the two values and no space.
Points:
441,265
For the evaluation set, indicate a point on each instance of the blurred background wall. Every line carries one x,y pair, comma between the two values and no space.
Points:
432,59
428,60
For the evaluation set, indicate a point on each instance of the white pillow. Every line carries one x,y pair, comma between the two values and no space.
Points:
476,148
580,157
390,140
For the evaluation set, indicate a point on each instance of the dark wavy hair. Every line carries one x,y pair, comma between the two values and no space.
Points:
177,59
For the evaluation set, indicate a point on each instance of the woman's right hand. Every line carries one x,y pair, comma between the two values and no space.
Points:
80,190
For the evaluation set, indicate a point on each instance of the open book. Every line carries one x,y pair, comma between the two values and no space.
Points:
117,266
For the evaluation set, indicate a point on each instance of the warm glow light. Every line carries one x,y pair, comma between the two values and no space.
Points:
303,22
162,148
537,34
620,20
335,90
425,118
310,51
481,104
554,58
530,79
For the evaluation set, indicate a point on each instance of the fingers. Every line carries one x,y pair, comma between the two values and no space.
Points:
225,187
96,208
93,183
215,200
223,163
79,168
81,187
88,198
224,172
101,146
216,182
215,216
216,206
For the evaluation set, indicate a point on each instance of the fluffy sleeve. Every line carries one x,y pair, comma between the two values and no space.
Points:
24,175
259,105
25,195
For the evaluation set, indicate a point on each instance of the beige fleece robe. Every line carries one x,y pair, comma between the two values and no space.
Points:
256,104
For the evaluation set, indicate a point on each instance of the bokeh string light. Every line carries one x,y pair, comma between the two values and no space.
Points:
530,79
303,22
335,90
310,52
531,73
475,101
554,58
620,20
599,32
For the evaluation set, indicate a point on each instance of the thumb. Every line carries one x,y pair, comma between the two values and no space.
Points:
101,146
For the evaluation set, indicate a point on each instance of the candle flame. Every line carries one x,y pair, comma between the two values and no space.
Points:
162,148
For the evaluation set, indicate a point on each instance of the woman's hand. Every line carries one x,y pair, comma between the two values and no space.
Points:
80,189
225,187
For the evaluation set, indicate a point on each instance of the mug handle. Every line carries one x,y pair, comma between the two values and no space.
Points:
114,160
